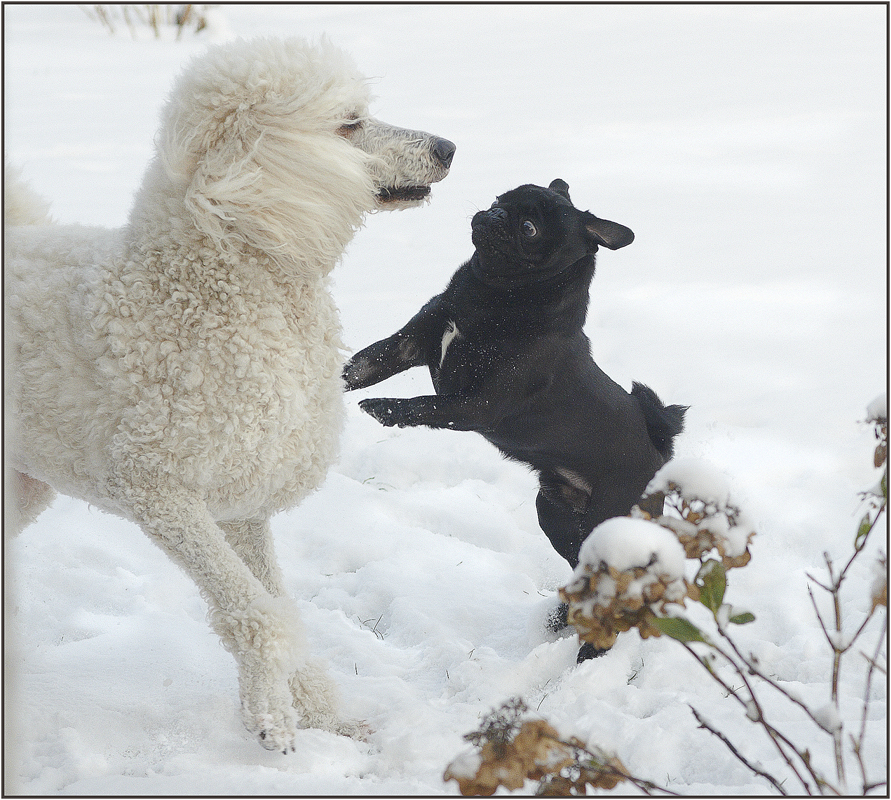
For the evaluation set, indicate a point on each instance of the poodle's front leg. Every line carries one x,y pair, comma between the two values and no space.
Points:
312,691
262,631
25,498
251,539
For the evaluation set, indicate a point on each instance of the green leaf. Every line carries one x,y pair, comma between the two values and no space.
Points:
712,583
862,531
742,619
679,628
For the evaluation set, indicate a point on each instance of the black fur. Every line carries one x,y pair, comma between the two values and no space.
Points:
518,370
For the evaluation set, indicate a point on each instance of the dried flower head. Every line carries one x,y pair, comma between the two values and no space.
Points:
707,521
511,751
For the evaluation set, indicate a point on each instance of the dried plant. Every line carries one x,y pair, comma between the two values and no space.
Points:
631,575
611,592
154,16
510,750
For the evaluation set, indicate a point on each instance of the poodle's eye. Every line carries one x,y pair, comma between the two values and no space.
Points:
529,229
349,126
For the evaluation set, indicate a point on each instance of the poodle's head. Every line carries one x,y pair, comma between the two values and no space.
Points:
270,145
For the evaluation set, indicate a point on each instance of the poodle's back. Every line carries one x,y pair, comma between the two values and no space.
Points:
52,277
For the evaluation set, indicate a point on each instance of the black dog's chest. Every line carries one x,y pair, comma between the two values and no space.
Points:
466,357
506,360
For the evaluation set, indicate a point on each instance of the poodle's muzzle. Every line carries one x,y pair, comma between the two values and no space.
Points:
405,162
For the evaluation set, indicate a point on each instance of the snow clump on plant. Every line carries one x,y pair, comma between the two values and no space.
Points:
708,521
627,568
632,568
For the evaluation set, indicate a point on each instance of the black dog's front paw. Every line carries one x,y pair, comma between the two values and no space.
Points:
353,373
385,410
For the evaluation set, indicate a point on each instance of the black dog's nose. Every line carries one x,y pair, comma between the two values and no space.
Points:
444,150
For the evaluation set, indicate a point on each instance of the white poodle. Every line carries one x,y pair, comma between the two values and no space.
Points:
184,371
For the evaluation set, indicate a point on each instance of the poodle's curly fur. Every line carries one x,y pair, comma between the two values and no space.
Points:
184,371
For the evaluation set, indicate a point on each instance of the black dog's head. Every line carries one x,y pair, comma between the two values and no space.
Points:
532,234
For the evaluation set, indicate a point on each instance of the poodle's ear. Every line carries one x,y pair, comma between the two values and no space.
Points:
606,233
272,192
223,182
561,187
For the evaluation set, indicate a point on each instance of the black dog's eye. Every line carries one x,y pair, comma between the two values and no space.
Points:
529,230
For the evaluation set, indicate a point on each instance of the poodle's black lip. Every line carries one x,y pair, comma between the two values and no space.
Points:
403,194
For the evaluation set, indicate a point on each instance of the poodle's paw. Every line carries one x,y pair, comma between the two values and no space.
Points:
274,731
315,701
353,729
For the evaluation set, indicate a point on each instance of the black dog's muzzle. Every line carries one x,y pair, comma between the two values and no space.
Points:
489,229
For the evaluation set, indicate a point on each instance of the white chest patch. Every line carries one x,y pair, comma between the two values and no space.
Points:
451,332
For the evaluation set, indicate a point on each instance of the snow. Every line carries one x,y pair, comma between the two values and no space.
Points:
840,641
465,765
745,146
723,614
878,408
696,478
704,489
624,543
630,562
828,718
752,712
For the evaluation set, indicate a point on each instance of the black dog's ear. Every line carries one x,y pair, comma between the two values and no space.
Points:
609,234
561,187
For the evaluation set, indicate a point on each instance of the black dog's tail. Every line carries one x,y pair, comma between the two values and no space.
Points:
663,423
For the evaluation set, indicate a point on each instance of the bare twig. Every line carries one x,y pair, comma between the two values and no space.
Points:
857,744
780,741
751,767
751,664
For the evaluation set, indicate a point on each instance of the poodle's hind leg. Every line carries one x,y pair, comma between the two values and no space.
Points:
262,631
26,498
312,691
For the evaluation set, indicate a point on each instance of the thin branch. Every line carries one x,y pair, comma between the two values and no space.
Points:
644,785
774,735
878,667
873,666
751,665
751,767
814,580
819,616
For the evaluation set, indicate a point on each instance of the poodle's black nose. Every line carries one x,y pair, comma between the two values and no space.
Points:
444,150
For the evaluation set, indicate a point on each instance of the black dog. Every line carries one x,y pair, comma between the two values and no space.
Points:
508,358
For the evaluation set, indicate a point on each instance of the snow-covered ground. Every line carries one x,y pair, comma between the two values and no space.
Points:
744,145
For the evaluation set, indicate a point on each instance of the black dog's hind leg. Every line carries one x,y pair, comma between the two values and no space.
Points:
561,516
409,347
561,523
